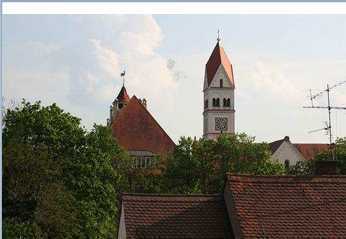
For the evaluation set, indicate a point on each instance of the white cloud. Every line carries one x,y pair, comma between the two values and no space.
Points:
81,71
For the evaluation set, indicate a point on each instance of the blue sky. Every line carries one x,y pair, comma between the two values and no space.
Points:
75,61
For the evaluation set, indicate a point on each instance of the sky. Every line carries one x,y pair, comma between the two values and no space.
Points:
76,61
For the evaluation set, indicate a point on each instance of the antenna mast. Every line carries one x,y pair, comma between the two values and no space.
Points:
330,108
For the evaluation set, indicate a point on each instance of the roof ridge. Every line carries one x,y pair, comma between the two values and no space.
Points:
171,195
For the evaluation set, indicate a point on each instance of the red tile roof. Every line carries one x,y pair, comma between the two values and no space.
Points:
174,216
123,96
309,151
287,207
136,129
218,57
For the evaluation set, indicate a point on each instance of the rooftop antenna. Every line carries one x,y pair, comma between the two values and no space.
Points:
122,74
328,127
218,36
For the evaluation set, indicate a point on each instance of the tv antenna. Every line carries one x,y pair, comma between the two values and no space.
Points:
328,127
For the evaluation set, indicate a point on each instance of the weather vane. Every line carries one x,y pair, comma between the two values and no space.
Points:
122,74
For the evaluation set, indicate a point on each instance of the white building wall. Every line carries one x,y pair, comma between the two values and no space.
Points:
287,151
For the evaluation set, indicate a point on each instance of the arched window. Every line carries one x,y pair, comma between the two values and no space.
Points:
218,102
221,83
224,102
214,102
229,102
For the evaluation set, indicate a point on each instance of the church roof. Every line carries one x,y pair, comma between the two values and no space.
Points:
287,206
136,129
218,57
175,216
123,96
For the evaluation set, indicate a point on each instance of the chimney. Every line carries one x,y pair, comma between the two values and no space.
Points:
325,167
144,102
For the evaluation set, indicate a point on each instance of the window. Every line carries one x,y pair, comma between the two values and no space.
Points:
221,83
120,106
217,102
226,102
287,164
144,162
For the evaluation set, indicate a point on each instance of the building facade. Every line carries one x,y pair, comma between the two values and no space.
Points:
218,92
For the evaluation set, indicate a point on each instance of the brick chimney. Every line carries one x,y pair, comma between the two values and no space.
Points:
326,167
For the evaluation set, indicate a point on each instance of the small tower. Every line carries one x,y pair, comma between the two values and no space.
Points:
119,102
218,91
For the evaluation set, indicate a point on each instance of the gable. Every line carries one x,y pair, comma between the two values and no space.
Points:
287,151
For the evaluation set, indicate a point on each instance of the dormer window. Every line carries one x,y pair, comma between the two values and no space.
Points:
221,83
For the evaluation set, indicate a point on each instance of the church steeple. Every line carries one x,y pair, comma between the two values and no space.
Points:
119,102
218,57
218,90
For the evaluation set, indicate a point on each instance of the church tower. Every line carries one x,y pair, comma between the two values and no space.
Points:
218,90
118,103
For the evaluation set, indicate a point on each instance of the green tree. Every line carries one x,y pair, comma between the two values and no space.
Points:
60,181
201,165
340,155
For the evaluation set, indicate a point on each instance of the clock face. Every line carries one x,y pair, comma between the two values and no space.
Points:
221,124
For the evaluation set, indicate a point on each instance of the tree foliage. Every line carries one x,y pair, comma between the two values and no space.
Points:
201,165
60,181
339,154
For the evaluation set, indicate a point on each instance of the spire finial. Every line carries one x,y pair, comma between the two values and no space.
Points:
122,74
218,36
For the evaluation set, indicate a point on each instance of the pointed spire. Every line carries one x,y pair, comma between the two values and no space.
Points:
218,57
123,96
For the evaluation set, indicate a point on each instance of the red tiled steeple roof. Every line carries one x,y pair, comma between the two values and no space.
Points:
135,129
287,206
218,57
175,216
123,96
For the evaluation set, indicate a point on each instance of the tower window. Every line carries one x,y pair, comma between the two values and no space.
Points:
226,102
120,106
221,83
216,102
